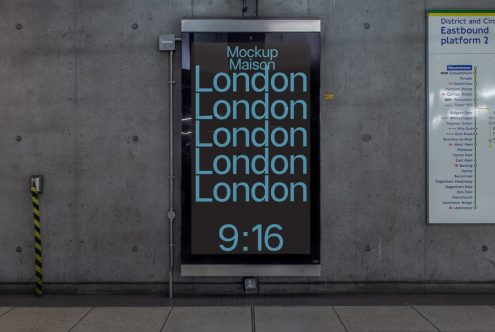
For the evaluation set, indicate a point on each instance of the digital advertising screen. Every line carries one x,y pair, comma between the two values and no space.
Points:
250,148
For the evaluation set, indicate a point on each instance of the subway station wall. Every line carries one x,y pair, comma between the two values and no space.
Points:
83,101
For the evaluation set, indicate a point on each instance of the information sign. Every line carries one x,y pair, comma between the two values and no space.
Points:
461,116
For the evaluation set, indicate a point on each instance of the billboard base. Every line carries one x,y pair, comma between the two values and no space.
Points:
258,270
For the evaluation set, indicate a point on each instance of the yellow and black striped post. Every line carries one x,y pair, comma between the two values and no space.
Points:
37,241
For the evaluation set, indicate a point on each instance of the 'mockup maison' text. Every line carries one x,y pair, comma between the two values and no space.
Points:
254,58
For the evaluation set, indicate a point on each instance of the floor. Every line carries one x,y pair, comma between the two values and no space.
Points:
54,313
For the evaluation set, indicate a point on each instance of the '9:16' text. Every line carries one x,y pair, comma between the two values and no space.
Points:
268,239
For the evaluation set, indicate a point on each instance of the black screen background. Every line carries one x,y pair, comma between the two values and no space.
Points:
200,221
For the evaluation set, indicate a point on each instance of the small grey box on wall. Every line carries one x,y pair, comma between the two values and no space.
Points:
166,42
37,182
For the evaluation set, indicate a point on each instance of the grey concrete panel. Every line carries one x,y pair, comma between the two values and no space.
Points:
294,319
217,8
454,318
41,319
206,319
372,140
383,318
250,8
36,135
449,4
123,138
123,319
456,253
281,8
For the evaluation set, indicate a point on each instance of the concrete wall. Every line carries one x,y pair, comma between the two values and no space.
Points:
83,101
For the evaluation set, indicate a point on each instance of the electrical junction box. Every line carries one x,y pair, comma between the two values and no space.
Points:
166,42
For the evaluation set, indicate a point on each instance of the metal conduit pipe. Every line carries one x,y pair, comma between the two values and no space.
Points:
167,43
171,176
